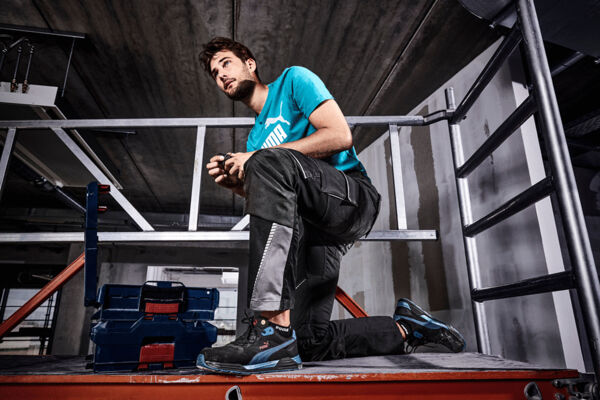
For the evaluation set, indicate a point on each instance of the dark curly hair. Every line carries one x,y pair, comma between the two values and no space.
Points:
222,43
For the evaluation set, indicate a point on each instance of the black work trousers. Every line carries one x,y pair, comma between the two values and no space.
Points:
304,215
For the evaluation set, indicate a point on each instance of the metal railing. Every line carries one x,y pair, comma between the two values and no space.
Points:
148,234
583,276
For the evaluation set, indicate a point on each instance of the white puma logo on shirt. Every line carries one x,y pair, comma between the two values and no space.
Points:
279,118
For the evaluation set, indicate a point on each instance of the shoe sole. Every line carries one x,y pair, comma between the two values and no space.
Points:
281,365
453,332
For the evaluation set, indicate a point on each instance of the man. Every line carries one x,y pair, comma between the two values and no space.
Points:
309,198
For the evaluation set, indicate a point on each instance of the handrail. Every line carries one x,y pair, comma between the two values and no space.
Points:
224,122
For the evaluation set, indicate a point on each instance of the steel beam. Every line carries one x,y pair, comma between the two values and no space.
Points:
508,45
466,215
513,122
9,143
397,175
103,179
580,251
242,223
542,284
518,203
198,167
57,282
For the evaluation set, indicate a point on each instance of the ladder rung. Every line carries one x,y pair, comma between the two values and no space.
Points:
503,132
508,45
521,201
541,284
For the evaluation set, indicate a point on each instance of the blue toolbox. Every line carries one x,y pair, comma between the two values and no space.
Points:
154,326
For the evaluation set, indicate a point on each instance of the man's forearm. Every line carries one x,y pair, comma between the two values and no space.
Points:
321,144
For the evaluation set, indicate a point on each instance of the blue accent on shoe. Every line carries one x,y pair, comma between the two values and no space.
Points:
268,331
403,304
297,359
430,324
268,364
264,355
418,335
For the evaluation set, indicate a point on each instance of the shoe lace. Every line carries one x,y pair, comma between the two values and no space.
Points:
251,334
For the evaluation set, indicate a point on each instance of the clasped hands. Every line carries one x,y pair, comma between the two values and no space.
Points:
232,175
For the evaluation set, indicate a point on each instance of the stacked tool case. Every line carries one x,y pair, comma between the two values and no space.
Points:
154,326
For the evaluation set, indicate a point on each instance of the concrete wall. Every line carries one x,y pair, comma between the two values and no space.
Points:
434,274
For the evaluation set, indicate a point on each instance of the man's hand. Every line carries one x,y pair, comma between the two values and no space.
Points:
222,176
235,164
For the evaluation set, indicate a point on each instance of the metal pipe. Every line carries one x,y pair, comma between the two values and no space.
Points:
231,122
62,93
584,269
25,81
508,45
541,284
13,83
568,62
466,215
397,176
9,143
518,203
504,131
196,180
41,31
187,236
103,179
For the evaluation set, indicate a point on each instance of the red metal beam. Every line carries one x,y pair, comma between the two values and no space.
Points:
349,304
464,385
56,283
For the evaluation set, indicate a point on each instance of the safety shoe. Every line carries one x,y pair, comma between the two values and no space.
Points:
264,347
422,329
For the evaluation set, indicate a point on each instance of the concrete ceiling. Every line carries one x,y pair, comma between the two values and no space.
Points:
140,59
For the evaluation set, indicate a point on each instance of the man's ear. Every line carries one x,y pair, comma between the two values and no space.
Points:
251,65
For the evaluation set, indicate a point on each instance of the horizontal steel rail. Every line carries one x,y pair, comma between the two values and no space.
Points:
189,236
503,132
508,45
225,122
518,203
541,284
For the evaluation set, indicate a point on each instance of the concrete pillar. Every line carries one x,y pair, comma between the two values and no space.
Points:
71,333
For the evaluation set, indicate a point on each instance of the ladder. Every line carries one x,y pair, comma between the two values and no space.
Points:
583,277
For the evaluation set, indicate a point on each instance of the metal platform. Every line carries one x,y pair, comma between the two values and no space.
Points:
420,375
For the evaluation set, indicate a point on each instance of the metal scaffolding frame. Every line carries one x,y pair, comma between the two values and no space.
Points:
583,276
59,127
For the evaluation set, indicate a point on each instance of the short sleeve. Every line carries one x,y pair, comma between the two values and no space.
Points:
308,90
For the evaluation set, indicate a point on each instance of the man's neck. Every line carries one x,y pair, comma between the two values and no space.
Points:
258,98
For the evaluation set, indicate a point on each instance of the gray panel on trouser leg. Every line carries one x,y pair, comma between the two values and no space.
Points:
268,287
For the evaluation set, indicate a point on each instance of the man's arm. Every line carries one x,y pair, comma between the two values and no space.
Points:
332,136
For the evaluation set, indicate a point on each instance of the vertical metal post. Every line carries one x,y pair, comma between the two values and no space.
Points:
9,143
198,167
91,245
588,285
466,215
397,175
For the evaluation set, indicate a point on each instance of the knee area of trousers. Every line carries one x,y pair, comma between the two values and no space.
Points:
270,158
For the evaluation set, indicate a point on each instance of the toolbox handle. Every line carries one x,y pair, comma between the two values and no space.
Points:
164,297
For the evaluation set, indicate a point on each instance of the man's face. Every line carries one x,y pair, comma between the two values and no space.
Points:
233,76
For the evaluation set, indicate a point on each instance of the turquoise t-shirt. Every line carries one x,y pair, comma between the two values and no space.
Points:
284,117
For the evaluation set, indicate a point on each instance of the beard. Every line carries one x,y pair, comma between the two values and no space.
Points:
243,91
